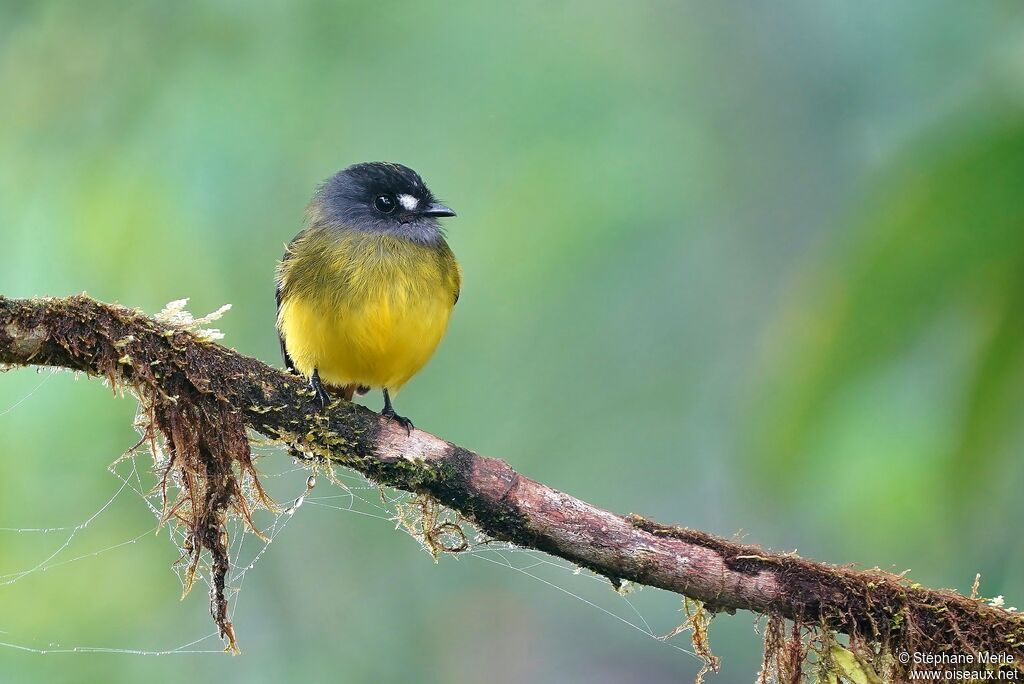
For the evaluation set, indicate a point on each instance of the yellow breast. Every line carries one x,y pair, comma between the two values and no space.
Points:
365,309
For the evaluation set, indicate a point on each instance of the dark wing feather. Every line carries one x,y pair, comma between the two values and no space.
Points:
279,294
280,338
450,265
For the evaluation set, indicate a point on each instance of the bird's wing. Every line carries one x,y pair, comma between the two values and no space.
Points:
279,294
289,364
451,266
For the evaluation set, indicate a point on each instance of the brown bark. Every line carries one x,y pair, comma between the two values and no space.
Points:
125,345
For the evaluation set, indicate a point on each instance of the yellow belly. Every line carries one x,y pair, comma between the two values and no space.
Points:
364,310
378,343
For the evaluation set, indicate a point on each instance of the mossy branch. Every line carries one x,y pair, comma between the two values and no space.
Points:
202,398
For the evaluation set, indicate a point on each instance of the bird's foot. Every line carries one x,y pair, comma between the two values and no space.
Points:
318,388
389,414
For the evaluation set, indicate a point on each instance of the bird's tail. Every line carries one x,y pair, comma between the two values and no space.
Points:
349,391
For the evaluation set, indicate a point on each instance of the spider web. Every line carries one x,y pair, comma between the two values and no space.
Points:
298,486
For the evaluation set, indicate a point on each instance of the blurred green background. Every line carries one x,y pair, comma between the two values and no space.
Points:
750,268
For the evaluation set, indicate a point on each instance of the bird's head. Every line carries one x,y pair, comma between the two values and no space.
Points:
380,197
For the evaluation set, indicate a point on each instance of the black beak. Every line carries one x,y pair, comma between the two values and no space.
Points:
438,210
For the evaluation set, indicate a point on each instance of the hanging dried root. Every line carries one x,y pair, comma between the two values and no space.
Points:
697,621
198,440
784,654
436,527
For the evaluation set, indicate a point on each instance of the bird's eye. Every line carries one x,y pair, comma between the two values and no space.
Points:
385,204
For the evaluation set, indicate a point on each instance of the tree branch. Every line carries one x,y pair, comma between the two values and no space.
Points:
194,388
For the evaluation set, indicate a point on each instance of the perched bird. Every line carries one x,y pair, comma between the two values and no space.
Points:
364,292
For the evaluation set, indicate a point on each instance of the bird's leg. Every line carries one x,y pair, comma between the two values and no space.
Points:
319,389
389,413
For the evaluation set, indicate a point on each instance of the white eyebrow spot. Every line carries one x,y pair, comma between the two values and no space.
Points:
409,202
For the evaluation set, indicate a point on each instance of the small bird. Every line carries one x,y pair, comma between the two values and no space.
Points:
365,290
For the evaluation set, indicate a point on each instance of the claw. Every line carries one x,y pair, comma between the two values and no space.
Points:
318,388
389,412
401,420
